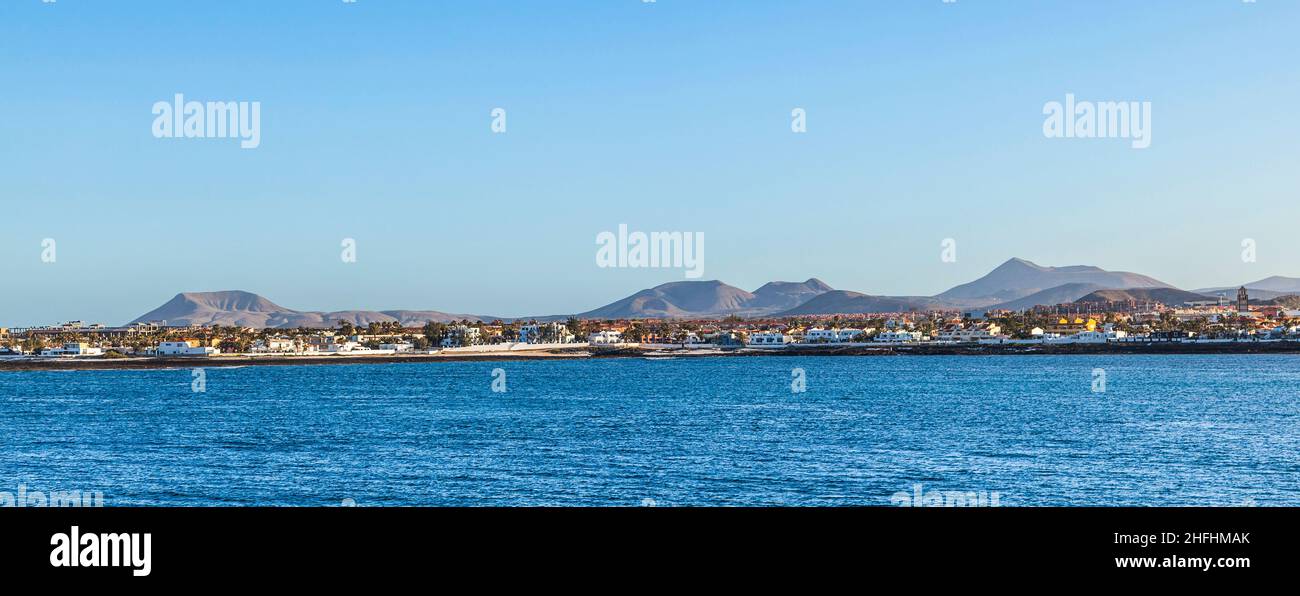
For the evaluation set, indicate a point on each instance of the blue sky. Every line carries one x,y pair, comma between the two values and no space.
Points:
924,123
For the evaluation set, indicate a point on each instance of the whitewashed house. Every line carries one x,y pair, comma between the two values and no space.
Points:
961,333
817,335
73,349
462,335
769,338
546,333
605,337
184,348
898,336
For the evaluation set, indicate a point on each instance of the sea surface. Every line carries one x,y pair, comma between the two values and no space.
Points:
1205,430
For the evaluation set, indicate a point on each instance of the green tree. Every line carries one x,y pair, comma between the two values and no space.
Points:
346,327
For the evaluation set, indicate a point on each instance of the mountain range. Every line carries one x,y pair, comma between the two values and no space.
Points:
701,299
245,309
1014,285
1018,278
1264,289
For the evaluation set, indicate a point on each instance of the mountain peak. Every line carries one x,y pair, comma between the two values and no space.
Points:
1018,278
246,309
713,298
227,300
1016,265
817,284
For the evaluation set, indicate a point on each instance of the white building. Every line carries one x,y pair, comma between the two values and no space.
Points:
849,335
818,335
344,346
835,336
605,337
184,348
768,338
281,344
73,349
898,336
1107,334
462,335
546,333
962,333
398,347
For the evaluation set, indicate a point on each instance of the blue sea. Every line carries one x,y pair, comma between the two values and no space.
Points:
1205,430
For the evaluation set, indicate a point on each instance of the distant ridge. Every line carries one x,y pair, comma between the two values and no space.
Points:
845,302
1264,289
246,309
1166,296
1062,294
1016,284
702,299
783,295
1018,278
1277,283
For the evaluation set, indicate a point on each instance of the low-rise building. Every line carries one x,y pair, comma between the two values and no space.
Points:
769,338
462,335
556,333
970,334
898,336
192,347
818,335
281,344
605,337
73,349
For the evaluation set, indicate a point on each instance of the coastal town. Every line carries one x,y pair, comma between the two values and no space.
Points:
1202,323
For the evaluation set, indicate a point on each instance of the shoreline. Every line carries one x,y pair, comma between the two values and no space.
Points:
586,353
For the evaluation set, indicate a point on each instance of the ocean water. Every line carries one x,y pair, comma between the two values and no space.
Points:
1206,430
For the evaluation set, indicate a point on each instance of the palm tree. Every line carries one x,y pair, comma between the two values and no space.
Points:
346,327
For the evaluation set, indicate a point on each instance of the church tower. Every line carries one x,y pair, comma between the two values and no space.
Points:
1243,300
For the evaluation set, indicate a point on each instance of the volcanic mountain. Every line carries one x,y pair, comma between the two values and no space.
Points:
845,302
1062,294
1264,289
245,309
1014,285
1018,278
784,295
1166,296
703,299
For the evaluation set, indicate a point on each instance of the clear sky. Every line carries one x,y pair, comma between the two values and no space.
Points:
924,122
